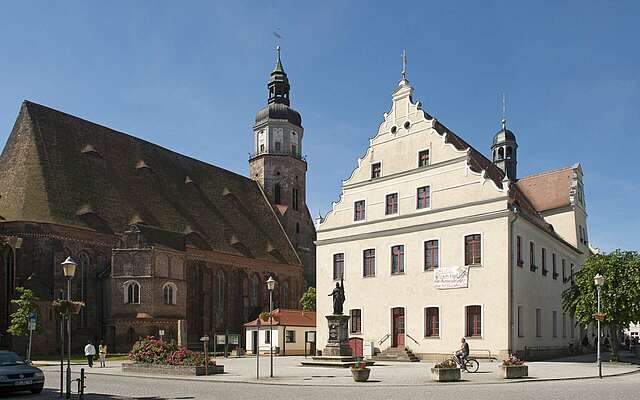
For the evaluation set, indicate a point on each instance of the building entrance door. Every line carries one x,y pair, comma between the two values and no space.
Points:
254,342
397,328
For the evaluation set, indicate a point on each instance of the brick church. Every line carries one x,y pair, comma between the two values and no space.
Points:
158,236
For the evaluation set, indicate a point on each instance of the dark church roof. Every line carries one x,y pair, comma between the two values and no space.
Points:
60,169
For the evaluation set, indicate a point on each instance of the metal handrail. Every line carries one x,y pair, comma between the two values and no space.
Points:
384,338
483,350
409,336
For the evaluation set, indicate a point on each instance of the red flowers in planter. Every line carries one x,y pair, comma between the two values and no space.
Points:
512,361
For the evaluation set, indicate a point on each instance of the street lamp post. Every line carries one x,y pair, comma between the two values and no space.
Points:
599,282
69,270
271,284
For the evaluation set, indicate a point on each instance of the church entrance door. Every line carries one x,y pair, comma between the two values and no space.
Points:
397,328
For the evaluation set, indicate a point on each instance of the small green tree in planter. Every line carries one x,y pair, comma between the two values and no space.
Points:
512,368
25,304
446,371
360,371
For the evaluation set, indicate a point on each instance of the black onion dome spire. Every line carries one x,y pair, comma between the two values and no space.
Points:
278,104
279,83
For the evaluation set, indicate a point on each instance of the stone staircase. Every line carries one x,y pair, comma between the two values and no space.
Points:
396,354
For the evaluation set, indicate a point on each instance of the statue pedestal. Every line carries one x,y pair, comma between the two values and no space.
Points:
337,352
338,343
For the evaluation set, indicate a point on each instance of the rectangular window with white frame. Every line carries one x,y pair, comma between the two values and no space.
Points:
391,204
423,158
369,262
532,257
290,336
397,260
359,210
473,249
473,319
355,319
423,197
338,266
519,261
432,322
431,254
376,170
520,322
543,255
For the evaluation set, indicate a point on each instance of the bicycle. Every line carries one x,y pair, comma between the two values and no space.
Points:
469,364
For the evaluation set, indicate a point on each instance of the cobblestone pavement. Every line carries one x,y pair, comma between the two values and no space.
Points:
107,387
288,371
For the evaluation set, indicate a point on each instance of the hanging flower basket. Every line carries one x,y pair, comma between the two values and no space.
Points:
599,316
67,307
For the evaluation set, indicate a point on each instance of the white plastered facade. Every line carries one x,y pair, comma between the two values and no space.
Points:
463,202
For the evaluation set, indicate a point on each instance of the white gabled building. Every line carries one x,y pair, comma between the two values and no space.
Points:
437,242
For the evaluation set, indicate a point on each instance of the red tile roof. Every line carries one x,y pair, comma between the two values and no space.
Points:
288,318
548,190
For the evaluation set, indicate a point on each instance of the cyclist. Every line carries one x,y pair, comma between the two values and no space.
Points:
463,353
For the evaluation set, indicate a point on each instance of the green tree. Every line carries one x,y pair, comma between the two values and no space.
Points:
620,295
25,304
308,300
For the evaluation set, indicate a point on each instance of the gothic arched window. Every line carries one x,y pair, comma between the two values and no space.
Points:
276,193
285,295
169,293
221,284
7,258
132,292
83,272
255,285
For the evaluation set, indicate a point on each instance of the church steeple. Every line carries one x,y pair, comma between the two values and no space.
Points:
278,165
279,83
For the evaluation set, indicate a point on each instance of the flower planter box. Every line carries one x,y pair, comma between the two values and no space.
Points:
158,369
513,371
445,374
360,375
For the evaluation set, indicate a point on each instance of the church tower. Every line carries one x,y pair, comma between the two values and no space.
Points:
278,165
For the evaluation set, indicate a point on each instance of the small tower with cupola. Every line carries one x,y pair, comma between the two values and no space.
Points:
278,165
505,151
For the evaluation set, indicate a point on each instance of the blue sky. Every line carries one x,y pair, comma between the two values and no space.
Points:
191,75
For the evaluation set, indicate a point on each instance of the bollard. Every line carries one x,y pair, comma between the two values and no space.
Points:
81,385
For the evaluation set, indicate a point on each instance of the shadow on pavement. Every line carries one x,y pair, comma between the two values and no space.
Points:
55,394
590,358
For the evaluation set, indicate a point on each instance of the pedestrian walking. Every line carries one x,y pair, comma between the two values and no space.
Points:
102,350
90,352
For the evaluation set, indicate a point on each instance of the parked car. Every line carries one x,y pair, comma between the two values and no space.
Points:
18,375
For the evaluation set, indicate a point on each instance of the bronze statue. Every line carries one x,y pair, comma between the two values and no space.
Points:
338,297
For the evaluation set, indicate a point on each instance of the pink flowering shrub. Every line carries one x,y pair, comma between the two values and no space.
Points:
149,350
187,358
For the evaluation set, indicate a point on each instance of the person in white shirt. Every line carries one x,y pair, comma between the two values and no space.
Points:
90,352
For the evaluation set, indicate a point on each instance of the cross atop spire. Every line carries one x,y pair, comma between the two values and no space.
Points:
404,65
504,111
278,67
